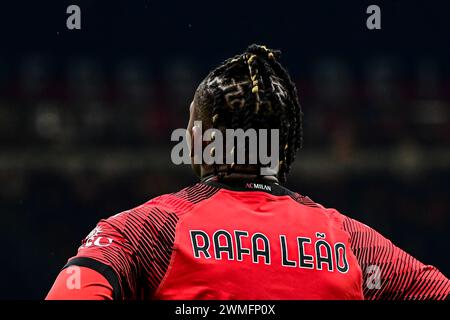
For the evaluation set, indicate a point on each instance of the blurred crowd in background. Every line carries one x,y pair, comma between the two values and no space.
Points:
94,139
87,101
84,137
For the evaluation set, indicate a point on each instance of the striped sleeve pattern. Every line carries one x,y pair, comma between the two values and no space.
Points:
389,272
139,250
150,231
304,200
142,240
183,200
196,193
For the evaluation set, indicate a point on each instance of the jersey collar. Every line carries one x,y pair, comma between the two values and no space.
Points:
249,185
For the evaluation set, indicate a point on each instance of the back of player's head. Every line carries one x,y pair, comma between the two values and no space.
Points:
253,90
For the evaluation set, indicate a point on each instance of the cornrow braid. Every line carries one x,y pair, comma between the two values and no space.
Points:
253,71
295,134
253,90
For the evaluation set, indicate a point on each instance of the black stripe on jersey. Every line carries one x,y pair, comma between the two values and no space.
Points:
196,193
303,200
101,268
400,276
241,185
274,188
154,236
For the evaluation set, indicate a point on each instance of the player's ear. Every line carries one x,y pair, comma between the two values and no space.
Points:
195,138
193,133
189,129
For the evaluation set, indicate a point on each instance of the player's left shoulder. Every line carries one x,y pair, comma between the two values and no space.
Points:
184,200
164,210
169,206
150,216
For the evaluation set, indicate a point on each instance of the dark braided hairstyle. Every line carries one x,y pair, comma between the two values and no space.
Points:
253,90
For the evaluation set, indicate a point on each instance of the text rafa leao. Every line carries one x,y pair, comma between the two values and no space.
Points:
222,244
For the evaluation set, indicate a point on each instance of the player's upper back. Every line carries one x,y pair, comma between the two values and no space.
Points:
257,240
249,240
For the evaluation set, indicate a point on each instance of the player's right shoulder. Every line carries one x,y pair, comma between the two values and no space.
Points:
316,208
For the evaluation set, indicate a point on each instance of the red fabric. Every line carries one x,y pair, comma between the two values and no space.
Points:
150,249
389,272
225,277
80,283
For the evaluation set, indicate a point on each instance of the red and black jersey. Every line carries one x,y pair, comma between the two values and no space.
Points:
250,240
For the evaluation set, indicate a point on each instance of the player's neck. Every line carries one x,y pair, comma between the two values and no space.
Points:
237,173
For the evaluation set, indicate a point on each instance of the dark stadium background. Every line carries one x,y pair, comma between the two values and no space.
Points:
86,116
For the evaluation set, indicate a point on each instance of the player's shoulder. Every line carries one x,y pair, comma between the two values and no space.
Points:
165,208
184,200
344,221
330,213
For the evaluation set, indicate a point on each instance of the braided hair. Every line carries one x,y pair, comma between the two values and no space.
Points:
253,90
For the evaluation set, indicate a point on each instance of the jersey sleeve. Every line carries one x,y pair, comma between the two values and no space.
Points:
390,273
132,250
108,251
80,283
